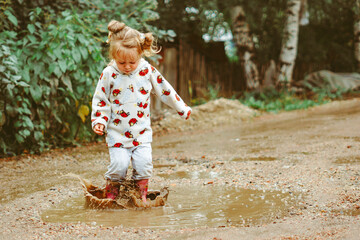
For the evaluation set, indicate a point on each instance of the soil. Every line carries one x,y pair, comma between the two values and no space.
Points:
293,175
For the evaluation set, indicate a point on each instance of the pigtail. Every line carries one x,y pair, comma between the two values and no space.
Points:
148,44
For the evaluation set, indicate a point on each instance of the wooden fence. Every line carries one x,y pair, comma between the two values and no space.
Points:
191,72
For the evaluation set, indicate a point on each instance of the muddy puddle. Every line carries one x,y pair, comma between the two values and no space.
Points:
197,206
191,175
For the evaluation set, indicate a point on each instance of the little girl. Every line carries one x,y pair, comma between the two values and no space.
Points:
121,105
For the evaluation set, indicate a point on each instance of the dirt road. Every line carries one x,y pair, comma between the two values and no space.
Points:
292,175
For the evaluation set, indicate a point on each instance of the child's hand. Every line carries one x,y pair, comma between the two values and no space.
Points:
99,129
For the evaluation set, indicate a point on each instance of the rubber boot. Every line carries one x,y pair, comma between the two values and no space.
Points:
112,189
143,187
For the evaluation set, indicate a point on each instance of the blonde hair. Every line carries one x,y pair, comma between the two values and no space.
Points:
123,38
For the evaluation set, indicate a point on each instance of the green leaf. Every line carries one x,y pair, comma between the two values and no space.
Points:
57,71
36,93
19,138
76,55
67,82
31,28
11,17
38,135
22,84
84,53
62,65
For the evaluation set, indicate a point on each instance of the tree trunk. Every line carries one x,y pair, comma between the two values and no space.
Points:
289,44
357,34
245,47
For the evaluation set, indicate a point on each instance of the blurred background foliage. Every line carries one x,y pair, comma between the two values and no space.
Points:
52,53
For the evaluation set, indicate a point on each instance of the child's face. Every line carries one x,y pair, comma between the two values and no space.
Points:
127,62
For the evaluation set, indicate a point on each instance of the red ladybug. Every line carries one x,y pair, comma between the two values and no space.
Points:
106,118
98,114
116,92
136,143
145,105
166,93
142,132
181,113
177,97
143,72
143,91
128,134
118,145
152,69
102,103
123,113
140,104
132,122
159,79
114,75
131,88
103,89
188,115
117,121
116,101
102,74
140,114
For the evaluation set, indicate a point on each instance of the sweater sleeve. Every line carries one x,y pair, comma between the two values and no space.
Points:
101,108
168,95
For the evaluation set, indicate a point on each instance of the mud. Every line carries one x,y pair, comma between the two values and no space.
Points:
294,175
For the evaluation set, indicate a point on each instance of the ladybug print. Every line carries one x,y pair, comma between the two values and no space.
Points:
103,89
117,101
177,97
143,72
98,114
181,113
116,92
140,114
106,118
142,132
128,134
188,115
118,145
159,79
152,69
145,105
102,103
143,91
166,93
123,113
117,121
140,104
131,88
114,75
136,143
132,122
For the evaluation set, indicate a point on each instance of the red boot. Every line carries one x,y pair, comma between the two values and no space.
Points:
112,189
143,187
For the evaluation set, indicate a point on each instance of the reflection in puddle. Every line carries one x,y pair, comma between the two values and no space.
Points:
348,160
190,175
187,207
261,158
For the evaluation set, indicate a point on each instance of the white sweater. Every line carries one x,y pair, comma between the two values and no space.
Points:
122,103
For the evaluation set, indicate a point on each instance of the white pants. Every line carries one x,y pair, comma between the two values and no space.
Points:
141,158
